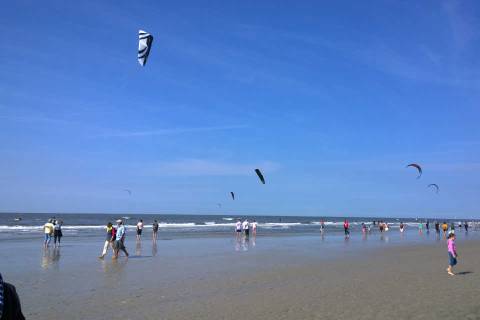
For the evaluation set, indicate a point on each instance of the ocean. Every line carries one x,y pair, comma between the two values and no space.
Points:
29,225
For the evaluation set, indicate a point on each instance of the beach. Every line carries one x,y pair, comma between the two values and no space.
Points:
266,277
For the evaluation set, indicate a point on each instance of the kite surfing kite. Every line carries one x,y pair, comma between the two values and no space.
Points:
233,195
416,166
145,41
260,175
129,191
435,186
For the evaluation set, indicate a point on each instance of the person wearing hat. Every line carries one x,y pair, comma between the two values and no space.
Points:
10,307
119,239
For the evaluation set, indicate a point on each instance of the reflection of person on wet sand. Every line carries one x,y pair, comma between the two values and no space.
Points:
154,248
138,248
50,257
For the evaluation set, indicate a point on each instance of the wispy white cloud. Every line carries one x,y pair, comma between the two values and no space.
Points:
201,167
172,131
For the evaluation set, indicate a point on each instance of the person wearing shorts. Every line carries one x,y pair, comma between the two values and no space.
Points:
155,229
238,228
48,230
139,229
452,253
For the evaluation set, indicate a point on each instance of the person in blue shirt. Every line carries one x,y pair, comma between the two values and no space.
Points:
120,239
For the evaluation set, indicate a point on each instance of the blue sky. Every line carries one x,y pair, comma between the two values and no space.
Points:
330,99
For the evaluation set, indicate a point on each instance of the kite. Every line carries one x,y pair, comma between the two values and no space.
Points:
219,205
145,41
129,191
233,195
260,175
414,165
435,186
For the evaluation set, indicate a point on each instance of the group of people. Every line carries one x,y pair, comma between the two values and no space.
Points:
383,227
244,227
115,237
52,229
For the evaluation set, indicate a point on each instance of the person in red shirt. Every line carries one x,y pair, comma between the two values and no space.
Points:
346,227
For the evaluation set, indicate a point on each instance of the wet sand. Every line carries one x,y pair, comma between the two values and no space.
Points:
271,278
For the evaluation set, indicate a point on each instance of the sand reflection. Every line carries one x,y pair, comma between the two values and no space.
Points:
50,257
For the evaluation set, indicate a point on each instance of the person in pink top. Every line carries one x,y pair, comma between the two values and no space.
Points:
452,253
346,227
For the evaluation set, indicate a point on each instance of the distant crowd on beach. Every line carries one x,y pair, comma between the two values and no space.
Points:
384,227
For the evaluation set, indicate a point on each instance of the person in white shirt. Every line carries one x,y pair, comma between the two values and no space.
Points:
254,227
238,228
139,229
246,226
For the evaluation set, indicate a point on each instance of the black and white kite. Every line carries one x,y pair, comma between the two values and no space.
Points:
145,41
260,175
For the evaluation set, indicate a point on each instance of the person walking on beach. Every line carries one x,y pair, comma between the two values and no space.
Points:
120,239
57,233
466,226
402,227
238,228
111,232
346,227
452,253
381,226
246,228
420,228
322,226
452,227
48,230
427,226
139,229
444,228
437,227
155,230
254,228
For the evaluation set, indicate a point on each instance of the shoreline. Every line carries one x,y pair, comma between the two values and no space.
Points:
216,278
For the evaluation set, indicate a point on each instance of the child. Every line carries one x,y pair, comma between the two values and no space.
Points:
452,253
